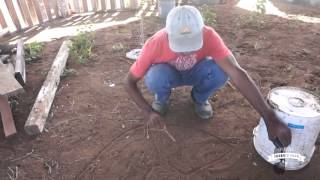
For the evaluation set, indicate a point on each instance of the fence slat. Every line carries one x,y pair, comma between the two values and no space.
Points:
2,21
38,11
103,5
133,4
13,14
32,11
76,6
122,4
48,9
113,4
54,4
25,12
85,5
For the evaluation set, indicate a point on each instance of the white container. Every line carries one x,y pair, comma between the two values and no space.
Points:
165,6
300,110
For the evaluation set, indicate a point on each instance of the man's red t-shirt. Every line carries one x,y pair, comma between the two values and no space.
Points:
156,50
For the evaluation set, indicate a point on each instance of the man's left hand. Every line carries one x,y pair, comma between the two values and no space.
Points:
278,131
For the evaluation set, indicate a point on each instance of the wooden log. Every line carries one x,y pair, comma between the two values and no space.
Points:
85,5
6,117
20,66
48,9
32,12
38,10
2,21
39,113
13,14
25,12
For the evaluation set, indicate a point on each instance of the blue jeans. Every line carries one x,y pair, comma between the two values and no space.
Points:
206,77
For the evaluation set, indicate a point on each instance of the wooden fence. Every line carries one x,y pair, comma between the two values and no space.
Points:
16,15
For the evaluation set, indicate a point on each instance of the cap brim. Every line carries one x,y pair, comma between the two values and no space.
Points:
186,44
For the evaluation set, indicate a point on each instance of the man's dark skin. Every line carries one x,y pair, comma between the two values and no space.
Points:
243,82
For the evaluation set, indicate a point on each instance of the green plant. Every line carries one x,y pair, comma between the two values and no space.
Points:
34,49
209,17
81,48
260,6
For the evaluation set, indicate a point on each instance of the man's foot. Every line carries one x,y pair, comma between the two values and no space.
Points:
204,110
162,109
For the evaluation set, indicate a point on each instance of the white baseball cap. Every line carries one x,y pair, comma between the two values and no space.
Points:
184,26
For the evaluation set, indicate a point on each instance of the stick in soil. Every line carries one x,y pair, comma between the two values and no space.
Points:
13,174
23,157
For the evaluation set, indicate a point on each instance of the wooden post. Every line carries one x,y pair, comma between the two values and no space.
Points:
38,10
13,14
122,4
25,12
48,9
32,11
103,5
112,4
2,21
20,66
40,111
76,6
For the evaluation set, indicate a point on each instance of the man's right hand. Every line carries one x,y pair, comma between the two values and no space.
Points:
155,121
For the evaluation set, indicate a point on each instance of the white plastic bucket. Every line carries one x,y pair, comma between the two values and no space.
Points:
165,6
300,110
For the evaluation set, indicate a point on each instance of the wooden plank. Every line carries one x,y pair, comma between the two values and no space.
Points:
6,117
13,14
40,111
38,10
48,9
20,66
2,21
25,12
32,11
113,4
103,5
9,86
85,5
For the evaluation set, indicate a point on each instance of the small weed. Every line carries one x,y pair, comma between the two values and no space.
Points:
209,17
81,48
33,49
254,19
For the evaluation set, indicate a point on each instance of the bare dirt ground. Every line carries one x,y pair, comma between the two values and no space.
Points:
96,132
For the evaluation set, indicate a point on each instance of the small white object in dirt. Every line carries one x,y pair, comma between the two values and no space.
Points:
133,54
128,137
254,163
109,83
123,126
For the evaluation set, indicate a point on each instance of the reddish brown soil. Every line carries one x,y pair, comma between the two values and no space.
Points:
96,132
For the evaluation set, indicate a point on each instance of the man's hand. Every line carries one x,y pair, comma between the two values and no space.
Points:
155,121
278,131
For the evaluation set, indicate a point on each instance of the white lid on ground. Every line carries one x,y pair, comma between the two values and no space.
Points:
295,101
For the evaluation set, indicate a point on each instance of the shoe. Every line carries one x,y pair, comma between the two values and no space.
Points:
162,109
203,110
